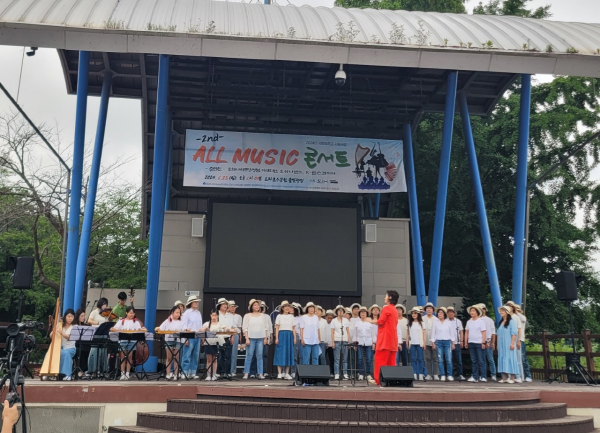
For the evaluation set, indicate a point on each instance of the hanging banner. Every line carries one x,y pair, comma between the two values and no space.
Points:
292,162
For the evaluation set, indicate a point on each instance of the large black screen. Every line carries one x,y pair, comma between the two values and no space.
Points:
287,249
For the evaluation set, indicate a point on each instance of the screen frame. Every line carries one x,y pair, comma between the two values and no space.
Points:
356,206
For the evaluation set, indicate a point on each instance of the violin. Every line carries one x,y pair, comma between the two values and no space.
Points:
108,313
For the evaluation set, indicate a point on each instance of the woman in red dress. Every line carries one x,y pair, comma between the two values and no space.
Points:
387,335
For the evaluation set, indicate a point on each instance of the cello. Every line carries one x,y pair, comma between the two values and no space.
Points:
141,348
51,365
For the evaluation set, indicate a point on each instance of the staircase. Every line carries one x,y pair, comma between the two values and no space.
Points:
224,414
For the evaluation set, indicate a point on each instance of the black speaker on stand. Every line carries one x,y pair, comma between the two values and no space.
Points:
23,279
396,376
317,375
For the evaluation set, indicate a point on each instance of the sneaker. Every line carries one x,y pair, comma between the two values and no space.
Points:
369,377
494,379
288,377
346,377
280,376
450,379
472,379
528,379
68,378
245,376
266,375
442,378
196,377
428,377
127,374
123,377
209,378
502,381
336,377
416,376
252,376
436,377
461,377
518,380
361,377
510,381
215,378
372,381
421,377
182,375
483,379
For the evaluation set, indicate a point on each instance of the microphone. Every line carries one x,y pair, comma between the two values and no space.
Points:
339,300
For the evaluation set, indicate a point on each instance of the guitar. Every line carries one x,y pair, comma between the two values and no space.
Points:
141,349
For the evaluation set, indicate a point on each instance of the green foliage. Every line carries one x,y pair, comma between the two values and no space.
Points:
512,7
454,6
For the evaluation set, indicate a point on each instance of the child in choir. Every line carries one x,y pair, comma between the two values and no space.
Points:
366,338
173,323
340,334
310,335
128,323
211,345
67,348
443,339
475,338
417,336
402,357
192,320
285,340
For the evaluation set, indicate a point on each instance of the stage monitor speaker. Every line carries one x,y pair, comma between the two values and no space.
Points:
23,276
396,376
312,375
566,285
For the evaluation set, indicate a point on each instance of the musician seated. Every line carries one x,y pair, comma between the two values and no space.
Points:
67,348
129,323
173,323
80,318
98,357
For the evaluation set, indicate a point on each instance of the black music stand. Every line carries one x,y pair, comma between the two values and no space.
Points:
175,353
137,337
100,340
79,334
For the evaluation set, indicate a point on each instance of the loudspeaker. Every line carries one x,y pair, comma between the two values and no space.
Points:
312,375
573,376
396,376
566,285
23,276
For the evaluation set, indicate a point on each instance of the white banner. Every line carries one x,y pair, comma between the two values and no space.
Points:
292,162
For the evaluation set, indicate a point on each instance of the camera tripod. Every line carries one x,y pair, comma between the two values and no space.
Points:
573,364
16,386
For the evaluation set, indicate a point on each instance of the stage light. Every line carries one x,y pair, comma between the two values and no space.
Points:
32,52
340,76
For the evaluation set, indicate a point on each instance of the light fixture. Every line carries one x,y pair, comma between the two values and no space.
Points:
32,52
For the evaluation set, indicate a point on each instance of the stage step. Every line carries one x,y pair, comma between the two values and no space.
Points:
178,422
367,413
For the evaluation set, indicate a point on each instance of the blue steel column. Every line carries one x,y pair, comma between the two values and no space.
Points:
170,163
377,204
90,203
415,229
76,178
157,206
442,191
524,115
486,239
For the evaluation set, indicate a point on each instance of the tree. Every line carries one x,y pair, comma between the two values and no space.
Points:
512,7
454,6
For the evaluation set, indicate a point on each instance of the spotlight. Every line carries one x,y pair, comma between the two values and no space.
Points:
32,52
340,76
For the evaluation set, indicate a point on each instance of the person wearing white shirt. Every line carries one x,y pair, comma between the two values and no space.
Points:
192,320
417,337
298,346
265,352
475,338
225,319
460,337
340,334
328,341
310,335
211,345
237,325
324,332
443,339
129,323
402,356
285,339
256,334
98,357
172,323
67,347
374,312
490,344
366,338
431,360
350,350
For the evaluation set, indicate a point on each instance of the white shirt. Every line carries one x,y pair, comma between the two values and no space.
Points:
171,325
443,331
402,330
127,325
237,322
365,335
457,326
192,320
416,334
428,325
326,332
64,342
475,329
255,326
337,326
268,323
517,319
285,322
490,327
523,320
226,320
310,325
297,320
215,327
96,317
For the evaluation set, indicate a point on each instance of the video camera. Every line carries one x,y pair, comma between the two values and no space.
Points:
14,328
18,343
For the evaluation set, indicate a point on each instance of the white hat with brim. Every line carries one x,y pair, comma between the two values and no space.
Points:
338,307
477,308
450,308
429,304
283,305
321,308
402,307
442,309
222,301
252,301
348,311
192,299
373,306
329,312
355,305
310,304
178,303
505,308
482,306
363,308
232,303
416,310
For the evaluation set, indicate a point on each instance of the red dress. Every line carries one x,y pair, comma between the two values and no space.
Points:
387,339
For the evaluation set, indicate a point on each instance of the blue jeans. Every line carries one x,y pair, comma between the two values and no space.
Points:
265,355
444,353
457,359
340,350
416,359
66,361
322,355
234,353
310,354
526,368
365,360
191,354
489,355
477,360
255,350
402,355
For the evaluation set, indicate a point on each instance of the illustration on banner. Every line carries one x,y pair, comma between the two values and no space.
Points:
371,178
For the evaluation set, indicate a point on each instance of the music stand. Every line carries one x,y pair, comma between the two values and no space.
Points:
100,340
137,337
78,334
174,354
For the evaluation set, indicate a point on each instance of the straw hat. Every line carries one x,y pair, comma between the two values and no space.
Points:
178,303
482,306
222,301
283,305
329,312
477,308
192,299
335,310
232,304
374,306
416,309
450,308
401,306
264,305
310,304
348,311
297,306
363,308
429,304
355,305
321,308
252,301
505,308
442,309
